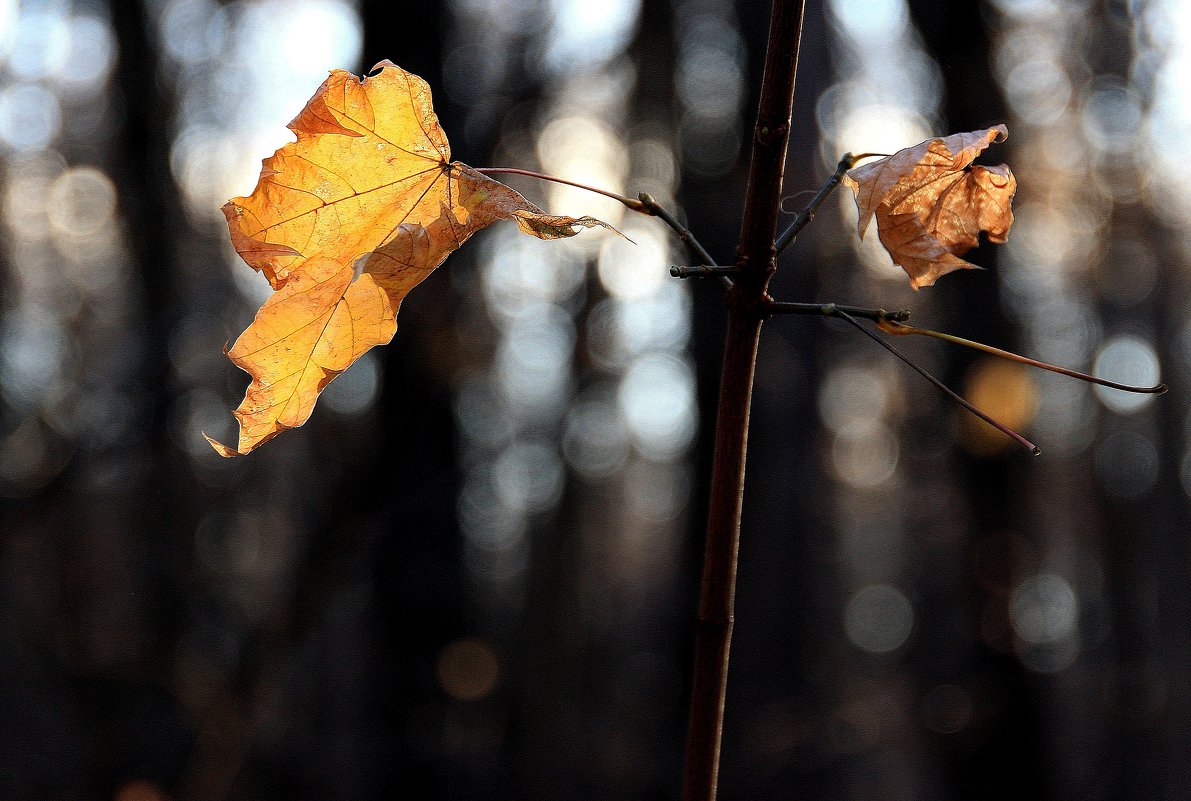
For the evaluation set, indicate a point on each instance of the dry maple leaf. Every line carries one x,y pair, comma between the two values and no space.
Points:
931,202
344,222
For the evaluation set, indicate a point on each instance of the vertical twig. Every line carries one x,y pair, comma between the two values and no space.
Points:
746,310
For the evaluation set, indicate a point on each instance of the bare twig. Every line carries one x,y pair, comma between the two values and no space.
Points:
703,271
651,206
807,214
894,326
693,244
999,426
835,309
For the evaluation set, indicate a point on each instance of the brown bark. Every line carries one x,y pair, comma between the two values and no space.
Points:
755,257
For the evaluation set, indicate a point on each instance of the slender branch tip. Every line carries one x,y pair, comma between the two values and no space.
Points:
807,214
892,326
955,396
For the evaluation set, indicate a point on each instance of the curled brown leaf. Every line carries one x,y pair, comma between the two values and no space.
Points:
931,202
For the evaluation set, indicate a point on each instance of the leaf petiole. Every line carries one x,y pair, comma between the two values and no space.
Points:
862,156
901,329
635,205
643,205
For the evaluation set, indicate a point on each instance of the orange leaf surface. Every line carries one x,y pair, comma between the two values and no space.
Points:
932,203
344,222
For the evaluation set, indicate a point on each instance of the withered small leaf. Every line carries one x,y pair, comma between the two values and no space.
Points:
931,202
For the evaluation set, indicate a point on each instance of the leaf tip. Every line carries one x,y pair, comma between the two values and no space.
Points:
379,67
220,448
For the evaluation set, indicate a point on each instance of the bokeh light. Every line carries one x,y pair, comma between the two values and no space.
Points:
1003,390
468,669
657,398
355,389
878,619
582,36
1126,359
1127,464
91,56
1043,609
947,708
528,477
30,116
595,441
853,395
40,41
864,454
709,84
82,202
633,270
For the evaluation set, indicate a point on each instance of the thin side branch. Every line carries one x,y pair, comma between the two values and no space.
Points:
999,426
807,214
651,206
895,326
692,243
703,271
836,310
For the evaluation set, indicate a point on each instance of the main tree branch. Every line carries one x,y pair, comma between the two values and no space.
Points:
746,300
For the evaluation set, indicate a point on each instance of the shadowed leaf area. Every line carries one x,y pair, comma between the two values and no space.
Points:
344,222
932,203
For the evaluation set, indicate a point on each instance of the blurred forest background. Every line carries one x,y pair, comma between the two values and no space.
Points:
472,575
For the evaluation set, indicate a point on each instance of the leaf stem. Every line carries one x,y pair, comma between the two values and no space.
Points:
999,426
862,156
645,204
893,326
635,205
807,214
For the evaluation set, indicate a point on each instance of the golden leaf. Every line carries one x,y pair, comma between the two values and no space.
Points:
932,203
344,222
